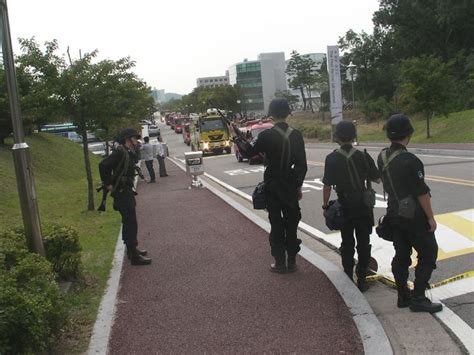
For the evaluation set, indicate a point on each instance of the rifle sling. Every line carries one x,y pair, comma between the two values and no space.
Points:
286,142
353,177
386,161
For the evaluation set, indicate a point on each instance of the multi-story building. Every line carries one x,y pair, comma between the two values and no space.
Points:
259,80
212,81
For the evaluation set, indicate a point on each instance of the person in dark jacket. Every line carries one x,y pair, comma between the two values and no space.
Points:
117,172
285,170
348,169
409,214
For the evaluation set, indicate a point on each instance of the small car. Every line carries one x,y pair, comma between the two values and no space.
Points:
153,131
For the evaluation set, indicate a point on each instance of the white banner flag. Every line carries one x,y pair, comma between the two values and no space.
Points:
334,71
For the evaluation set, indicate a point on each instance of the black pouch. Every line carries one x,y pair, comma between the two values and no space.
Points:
384,229
407,207
368,196
259,199
334,215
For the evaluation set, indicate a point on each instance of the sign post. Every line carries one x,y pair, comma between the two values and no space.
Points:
335,93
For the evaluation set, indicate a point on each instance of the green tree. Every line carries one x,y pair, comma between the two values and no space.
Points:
96,95
224,97
426,27
426,86
38,75
302,72
291,98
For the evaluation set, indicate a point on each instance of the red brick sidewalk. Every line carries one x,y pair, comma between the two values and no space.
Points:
209,289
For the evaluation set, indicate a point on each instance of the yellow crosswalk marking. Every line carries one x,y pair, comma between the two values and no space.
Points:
450,181
451,178
458,224
315,163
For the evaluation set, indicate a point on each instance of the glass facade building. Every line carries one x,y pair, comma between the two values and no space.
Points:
248,76
259,80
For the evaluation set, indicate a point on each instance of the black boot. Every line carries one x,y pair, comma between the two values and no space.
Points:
423,304
136,258
350,273
404,297
141,252
279,266
362,284
291,265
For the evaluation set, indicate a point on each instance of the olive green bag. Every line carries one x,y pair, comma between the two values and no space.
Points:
407,205
368,193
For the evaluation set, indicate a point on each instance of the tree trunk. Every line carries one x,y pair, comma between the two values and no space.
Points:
303,97
428,125
310,98
87,164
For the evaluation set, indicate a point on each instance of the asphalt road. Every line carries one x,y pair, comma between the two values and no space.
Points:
451,179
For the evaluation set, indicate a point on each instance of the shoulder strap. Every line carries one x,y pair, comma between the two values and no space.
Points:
387,159
286,142
122,166
354,177
386,162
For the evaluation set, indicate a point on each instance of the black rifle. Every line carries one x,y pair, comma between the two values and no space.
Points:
139,172
105,192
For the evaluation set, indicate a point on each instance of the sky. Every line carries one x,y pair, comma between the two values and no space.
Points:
173,42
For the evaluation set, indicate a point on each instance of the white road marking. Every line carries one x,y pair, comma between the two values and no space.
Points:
467,214
462,330
453,289
450,240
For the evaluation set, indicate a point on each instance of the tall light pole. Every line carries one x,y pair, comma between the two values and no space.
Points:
250,102
240,107
21,151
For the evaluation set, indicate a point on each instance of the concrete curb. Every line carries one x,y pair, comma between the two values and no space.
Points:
373,336
103,325
99,342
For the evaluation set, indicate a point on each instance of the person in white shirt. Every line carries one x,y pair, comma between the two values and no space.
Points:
148,156
160,156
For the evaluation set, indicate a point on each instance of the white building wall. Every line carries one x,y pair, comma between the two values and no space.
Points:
273,75
212,81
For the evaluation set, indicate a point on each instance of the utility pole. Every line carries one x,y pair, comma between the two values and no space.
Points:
21,151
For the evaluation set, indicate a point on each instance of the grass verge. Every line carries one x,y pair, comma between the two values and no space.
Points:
458,127
58,167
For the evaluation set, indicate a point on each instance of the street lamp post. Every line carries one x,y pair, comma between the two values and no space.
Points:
240,107
21,151
250,102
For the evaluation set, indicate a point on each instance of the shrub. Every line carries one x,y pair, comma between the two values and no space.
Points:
63,251
314,130
376,109
32,308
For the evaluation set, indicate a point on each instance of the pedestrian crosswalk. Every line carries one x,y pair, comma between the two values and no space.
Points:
455,237
455,234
